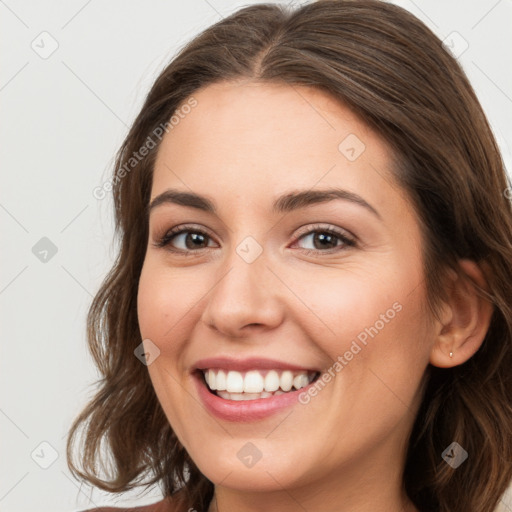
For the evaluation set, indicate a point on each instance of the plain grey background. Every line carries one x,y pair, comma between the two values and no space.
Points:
72,79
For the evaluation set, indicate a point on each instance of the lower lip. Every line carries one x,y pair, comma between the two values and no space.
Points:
245,410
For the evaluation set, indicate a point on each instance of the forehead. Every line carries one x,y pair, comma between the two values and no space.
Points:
258,139
281,116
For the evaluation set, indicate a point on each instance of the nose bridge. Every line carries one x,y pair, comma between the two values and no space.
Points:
243,294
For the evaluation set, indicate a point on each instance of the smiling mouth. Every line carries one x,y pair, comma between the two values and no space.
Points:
255,384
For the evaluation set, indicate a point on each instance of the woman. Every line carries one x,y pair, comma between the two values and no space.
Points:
310,309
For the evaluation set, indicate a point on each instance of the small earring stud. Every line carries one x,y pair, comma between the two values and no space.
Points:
451,354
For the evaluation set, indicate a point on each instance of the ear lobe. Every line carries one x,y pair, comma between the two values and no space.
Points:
465,320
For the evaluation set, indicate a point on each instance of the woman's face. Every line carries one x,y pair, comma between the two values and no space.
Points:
268,289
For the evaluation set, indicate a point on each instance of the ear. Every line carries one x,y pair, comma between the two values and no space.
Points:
465,318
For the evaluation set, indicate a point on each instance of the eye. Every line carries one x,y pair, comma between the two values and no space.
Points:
193,240
326,239
189,239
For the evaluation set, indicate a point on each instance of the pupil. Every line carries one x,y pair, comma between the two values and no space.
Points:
323,237
195,237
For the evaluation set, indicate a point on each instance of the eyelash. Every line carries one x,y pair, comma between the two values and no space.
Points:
165,240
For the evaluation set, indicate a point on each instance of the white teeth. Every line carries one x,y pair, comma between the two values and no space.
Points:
220,381
253,382
211,380
240,396
242,386
272,381
299,381
286,380
234,382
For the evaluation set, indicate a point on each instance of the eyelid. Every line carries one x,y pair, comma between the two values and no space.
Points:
308,228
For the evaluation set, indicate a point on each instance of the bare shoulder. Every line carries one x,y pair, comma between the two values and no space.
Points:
165,505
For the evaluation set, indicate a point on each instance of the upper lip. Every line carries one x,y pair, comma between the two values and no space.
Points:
252,363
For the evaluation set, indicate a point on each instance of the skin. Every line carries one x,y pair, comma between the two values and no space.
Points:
242,146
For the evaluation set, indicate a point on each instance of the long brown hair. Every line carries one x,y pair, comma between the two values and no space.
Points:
396,75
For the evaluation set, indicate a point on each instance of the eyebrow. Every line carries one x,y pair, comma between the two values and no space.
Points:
283,204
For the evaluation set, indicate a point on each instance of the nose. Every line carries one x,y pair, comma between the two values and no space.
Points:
244,298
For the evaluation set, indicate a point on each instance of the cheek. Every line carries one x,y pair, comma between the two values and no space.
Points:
385,359
165,301
354,301
165,310
374,326
159,313
150,309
